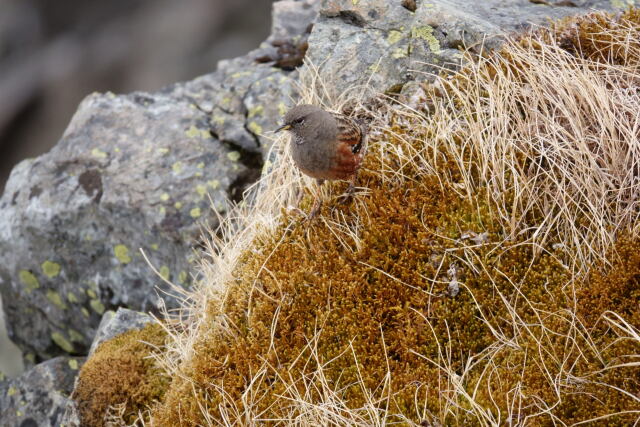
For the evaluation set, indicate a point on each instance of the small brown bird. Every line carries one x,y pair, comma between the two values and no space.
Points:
325,145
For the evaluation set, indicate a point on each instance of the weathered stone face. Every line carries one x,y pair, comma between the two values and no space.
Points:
39,397
387,43
131,173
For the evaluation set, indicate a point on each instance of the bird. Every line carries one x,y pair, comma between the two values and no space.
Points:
325,145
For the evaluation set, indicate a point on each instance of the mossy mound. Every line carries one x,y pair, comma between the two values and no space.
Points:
470,283
122,377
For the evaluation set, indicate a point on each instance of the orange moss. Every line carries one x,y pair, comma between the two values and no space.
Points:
121,371
312,312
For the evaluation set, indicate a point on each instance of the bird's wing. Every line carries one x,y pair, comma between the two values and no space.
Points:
350,132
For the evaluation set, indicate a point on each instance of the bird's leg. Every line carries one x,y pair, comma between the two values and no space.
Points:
348,195
317,204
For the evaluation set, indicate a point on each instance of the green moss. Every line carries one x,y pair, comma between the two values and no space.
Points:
121,372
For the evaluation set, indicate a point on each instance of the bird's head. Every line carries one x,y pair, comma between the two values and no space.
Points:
296,117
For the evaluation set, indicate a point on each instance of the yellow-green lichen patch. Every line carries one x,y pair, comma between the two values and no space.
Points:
154,246
96,152
401,52
84,312
234,156
165,272
164,197
622,4
200,165
72,298
50,269
62,342
240,74
213,183
29,281
282,109
56,299
256,111
219,120
426,33
163,150
182,277
91,293
195,212
73,364
12,390
177,167
177,205
192,132
121,253
255,128
122,372
201,190
97,306
394,36
75,336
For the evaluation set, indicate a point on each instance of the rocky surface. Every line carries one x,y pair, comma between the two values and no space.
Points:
386,43
136,171
131,172
38,397
116,323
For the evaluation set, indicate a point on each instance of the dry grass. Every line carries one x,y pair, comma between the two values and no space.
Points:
541,147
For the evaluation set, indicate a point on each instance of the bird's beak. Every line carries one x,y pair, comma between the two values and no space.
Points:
283,127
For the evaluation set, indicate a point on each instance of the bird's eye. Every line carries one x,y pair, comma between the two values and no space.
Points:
298,121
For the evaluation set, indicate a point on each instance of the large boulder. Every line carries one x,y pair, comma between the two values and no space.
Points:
131,173
38,397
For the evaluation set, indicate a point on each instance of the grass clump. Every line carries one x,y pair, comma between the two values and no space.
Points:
486,273
122,379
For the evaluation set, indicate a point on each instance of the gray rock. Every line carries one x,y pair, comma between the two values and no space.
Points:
133,172
116,323
383,43
38,397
